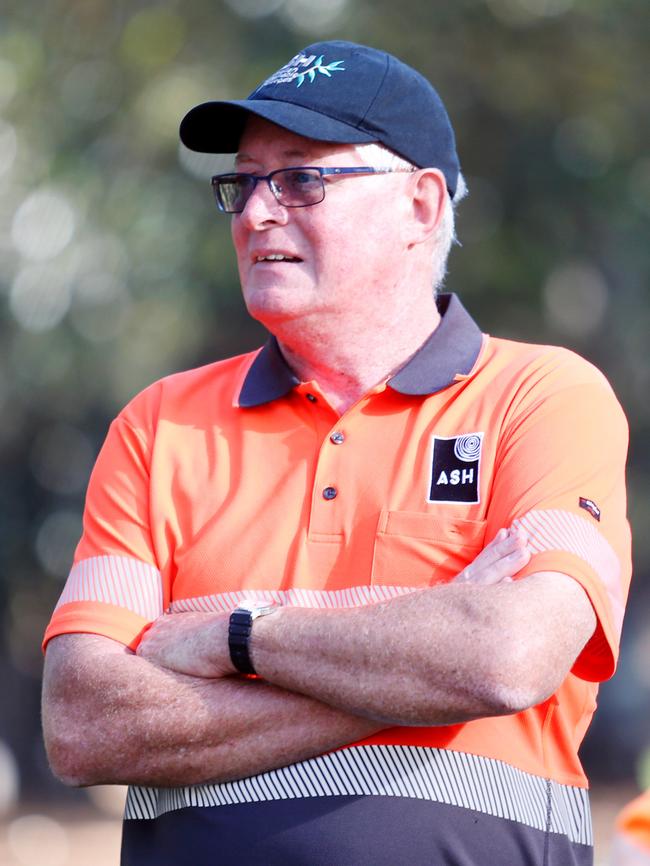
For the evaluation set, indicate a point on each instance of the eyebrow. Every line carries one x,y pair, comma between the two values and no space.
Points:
290,154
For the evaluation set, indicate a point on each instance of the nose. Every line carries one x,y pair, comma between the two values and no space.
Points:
262,209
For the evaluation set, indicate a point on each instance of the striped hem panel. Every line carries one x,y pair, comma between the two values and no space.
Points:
554,529
438,775
117,580
354,596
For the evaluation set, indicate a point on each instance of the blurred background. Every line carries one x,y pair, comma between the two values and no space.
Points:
115,269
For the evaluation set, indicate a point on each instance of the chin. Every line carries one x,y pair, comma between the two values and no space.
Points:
270,313
270,305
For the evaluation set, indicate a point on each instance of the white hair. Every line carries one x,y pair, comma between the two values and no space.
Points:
377,156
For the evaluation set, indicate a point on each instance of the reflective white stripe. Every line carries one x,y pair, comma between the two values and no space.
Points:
555,529
116,580
438,775
354,596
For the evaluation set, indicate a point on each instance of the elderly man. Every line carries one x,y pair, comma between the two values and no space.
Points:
279,628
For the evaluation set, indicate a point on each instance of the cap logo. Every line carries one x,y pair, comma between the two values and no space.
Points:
300,68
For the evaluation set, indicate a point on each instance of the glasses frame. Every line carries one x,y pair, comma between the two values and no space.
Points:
323,171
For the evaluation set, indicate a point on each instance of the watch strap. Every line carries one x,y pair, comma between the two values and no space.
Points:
239,632
240,626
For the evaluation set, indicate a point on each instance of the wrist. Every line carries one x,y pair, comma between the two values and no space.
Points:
240,633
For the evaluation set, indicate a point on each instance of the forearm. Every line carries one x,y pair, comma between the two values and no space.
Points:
445,655
118,719
479,646
396,662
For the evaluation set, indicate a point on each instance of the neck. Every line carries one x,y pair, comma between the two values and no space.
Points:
350,358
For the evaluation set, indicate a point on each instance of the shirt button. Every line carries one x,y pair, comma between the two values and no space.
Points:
312,398
337,437
330,493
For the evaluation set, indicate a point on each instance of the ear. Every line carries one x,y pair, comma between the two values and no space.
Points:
427,202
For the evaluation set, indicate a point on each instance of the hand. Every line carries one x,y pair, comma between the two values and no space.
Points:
503,557
195,644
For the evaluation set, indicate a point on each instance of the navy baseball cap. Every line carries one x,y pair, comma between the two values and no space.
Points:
338,92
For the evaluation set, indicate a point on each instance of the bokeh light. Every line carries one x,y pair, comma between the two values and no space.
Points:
40,297
9,779
23,51
104,252
153,37
310,18
101,308
37,839
524,13
8,146
163,102
254,8
8,82
91,90
546,8
576,297
43,225
56,540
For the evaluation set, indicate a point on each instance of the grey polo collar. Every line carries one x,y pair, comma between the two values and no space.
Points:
450,351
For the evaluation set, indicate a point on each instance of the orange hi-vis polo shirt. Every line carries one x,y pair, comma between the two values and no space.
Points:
237,481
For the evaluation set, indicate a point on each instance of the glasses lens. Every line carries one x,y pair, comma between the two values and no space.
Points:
295,187
232,191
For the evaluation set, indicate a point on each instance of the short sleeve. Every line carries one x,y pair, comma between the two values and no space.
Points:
560,474
114,587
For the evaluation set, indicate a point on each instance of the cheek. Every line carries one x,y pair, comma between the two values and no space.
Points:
240,244
237,235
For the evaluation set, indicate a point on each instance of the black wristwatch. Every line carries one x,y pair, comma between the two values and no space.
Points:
239,632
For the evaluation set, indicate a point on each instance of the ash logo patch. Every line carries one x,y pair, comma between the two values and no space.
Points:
590,506
455,466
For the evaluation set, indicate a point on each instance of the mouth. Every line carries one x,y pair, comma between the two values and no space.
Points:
275,257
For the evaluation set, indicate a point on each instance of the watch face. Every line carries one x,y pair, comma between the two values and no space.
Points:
247,604
257,608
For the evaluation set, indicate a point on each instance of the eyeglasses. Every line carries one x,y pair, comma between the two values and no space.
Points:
300,186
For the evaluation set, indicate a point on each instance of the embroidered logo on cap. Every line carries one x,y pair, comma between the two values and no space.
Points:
334,66
300,68
455,465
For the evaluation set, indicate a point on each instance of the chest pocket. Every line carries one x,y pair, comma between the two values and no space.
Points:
418,549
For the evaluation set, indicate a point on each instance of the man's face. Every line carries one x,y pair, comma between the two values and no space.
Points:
341,256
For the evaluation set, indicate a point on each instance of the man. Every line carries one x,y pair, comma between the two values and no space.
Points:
313,514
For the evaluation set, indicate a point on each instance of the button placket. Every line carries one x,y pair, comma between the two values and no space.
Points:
329,507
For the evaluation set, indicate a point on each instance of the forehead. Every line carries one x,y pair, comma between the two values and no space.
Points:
264,142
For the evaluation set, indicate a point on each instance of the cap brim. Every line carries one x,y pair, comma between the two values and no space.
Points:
216,127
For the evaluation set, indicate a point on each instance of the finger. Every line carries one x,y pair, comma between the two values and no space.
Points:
504,543
503,569
485,572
